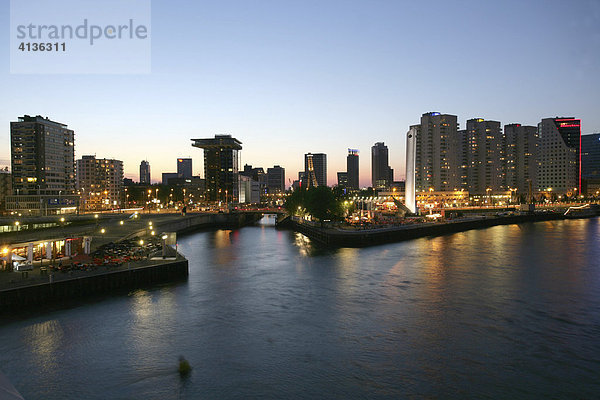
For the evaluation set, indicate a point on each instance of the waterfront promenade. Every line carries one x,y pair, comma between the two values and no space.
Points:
138,262
344,236
116,226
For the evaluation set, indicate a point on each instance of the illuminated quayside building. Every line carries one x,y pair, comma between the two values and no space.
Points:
492,167
559,165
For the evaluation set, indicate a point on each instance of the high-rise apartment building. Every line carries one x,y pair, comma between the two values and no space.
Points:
438,153
145,173
521,153
381,174
5,186
352,169
559,168
221,167
485,158
276,179
184,168
590,164
590,156
42,157
100,182
319,163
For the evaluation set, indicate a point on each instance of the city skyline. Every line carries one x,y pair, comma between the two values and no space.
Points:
185,163
286,80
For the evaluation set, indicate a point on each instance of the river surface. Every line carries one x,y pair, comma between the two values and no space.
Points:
506,312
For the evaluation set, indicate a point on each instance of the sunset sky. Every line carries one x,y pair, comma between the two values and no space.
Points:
291,77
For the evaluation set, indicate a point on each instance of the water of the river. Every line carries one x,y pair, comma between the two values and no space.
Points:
506,312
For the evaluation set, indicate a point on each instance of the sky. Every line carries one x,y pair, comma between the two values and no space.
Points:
291,77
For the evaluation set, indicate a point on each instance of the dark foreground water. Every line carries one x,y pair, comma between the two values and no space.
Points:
506,312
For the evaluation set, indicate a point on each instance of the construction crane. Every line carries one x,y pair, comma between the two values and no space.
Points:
311,178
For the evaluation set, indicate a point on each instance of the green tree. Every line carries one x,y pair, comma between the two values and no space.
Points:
295,201
320,202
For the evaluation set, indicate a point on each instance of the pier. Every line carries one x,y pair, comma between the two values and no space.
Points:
43,283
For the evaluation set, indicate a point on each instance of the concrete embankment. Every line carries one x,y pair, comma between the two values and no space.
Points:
196,222
120,226
13,300
369,237
207,221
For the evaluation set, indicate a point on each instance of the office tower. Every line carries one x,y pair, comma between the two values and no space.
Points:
247,171
410,200
257,174
42,157
276,179
319,165
342,179
169,178
184,168
521,157
590,156
438,153
485,158
145,173
99,182
220,167
559,168
381,173
352,169
249,190
302,177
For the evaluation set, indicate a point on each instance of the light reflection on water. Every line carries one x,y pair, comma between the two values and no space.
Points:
506,312
44,342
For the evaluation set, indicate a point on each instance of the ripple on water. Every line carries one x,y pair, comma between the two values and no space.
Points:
493,313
